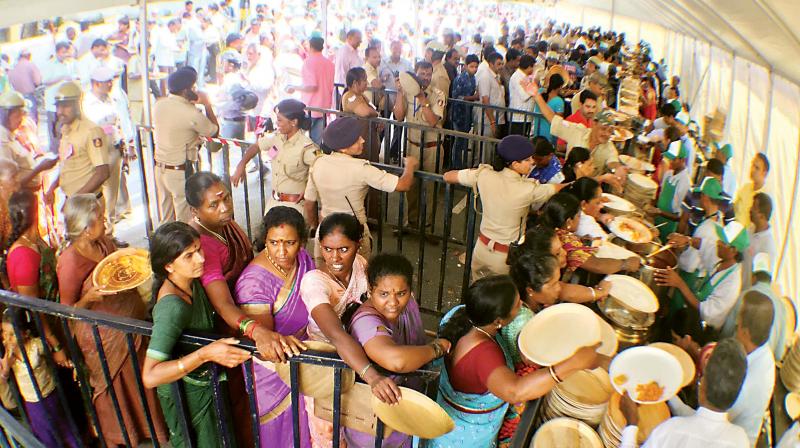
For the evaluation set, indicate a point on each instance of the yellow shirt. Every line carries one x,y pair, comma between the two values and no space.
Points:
505,197
84,146
440,79
336,178
41,372
11,149
743,202
293,157
179,125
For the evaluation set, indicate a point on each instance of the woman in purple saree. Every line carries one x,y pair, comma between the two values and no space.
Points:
268,290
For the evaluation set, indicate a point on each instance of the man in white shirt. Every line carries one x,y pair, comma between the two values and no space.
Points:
520,99
110,112
491,93
709,425
753,327
348,57
395,62
761,236
99,56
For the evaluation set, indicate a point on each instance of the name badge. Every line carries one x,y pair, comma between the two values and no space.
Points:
272,153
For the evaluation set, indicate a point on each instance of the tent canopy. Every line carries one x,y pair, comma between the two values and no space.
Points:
764,31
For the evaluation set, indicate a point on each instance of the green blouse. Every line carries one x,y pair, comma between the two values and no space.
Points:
171,317
510,333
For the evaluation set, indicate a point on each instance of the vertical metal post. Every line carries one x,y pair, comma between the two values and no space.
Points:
140,388
337,405
295,386
145,64
101,354
250,386
148,220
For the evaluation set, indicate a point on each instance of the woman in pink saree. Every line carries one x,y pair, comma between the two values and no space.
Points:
268,290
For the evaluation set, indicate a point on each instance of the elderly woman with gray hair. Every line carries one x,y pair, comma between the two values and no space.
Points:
88,244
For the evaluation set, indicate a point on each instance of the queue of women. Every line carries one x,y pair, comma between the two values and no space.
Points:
284,290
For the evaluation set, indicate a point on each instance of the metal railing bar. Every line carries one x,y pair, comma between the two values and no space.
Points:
17,431
250,385
141,390
83,380
101,353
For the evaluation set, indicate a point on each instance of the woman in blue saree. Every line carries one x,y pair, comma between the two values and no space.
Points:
477,380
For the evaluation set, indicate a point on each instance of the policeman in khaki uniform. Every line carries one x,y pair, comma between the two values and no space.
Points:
84,148
506,194
178,126
292,153
340,181
421,104
435,54
12,113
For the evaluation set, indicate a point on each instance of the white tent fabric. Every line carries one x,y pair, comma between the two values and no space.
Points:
741,57
16,12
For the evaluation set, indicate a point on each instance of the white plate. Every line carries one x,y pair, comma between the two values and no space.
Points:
608,338
643,365
632,293
642,181
611,250
557,332
636,164
618,203
621,226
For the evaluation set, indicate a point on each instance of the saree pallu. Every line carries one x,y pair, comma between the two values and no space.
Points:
259,291
478,417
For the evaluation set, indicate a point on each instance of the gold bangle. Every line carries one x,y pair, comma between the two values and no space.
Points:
553,374
364,370
181,367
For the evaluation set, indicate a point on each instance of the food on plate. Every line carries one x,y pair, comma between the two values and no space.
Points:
619,380
124,271
634,234
651,391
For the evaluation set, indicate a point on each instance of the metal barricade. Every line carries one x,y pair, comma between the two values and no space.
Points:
436,200
51,318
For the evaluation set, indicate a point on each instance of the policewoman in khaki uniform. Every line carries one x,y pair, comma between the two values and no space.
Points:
292,153
506,194
421,104
178,126
12,113
340,181
84,148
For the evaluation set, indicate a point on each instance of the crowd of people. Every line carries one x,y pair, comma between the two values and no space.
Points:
546,92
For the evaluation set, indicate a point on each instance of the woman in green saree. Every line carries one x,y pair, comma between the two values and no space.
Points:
182,304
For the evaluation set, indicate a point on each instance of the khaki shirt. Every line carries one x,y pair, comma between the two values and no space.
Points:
84,146
336,178
11,149
440,79
179,125
576,134
505,199
372,74
292,159
438,100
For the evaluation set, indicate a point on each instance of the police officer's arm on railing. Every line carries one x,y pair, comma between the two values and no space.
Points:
406,180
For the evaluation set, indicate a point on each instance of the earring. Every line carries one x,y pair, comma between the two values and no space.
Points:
196,219
499,326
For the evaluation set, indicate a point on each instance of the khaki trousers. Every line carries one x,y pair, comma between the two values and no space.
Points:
111,185
427,163
487,262
170,188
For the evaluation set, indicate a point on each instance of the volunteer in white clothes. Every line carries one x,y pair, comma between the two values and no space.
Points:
709,426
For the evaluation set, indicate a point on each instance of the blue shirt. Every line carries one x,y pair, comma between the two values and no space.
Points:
461,114
548,173
542,126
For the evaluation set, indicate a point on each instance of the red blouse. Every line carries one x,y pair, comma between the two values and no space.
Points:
471,373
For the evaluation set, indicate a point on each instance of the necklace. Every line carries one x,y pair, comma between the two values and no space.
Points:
213,233
336,279
183,291
282,271
484,332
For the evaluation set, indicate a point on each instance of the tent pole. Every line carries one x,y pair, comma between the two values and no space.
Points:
144,63
324,7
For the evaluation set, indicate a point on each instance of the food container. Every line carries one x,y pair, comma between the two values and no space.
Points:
662,260
632,327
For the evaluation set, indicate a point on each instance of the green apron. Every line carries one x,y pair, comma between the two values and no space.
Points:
664,204
703,290
677,300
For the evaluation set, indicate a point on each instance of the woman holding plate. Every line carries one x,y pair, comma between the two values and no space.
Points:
477,381
269,292
88,245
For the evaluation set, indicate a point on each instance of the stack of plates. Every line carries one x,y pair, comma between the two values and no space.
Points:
566,433
583,396
612,424
618,206
640,189
790,371
636,165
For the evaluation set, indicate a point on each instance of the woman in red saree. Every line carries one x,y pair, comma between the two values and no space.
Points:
88,244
